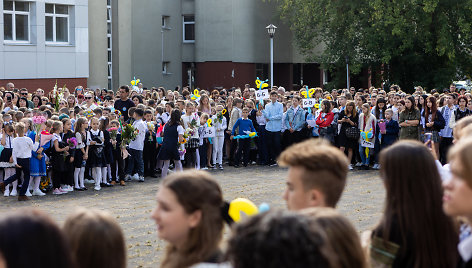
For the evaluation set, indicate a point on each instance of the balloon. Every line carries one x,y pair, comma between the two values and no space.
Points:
363,135
317,105
137,81
239,206
252,134
223,112
209,122
133,83
196,93
370,135
264,207
261,84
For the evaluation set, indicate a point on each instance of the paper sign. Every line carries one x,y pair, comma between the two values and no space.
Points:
367,144
209,132
262,94
308,103
311,123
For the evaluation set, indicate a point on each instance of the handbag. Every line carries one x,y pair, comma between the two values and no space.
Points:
353,133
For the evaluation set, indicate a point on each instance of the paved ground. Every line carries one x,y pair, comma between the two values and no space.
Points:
362,203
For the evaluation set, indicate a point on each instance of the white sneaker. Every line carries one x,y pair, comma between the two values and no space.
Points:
358,164
38,192
136,177
97,188
6,193
28,193
64,189
141,179
128,178
350,167
57,192
13,192
376,166
204,168
69,188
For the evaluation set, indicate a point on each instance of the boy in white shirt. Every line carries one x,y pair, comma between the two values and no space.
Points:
136,147
22,148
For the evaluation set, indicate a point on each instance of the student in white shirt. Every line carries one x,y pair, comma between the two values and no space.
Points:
22,147
136,146
219,122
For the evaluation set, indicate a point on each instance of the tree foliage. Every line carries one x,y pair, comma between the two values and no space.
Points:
422,42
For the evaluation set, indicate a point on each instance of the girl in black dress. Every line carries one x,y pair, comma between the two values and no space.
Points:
173,135
95,141
348,118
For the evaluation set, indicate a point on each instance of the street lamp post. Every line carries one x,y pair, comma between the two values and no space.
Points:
271,30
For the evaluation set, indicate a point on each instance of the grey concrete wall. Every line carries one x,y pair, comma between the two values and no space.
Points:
36,59
98,44
122,47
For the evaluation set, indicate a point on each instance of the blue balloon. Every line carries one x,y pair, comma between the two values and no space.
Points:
264,207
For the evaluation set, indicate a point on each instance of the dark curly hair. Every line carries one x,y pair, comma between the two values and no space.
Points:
279,239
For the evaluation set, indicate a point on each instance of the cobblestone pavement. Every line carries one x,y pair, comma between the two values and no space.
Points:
362,202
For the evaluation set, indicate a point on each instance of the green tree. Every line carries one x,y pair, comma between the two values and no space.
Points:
419,42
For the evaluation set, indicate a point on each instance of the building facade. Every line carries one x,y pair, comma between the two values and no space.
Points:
206,44
44,41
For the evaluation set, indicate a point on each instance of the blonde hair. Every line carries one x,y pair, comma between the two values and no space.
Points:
20,128
325,167
89,232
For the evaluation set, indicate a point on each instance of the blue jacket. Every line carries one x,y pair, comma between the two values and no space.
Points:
392,130
244,125
297,119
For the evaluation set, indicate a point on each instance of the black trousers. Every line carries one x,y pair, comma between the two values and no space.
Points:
273,145
117,163
149,158
244,146
444,146
25,168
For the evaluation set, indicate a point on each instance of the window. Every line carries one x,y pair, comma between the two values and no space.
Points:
16,21
165,67
262,70
57,23
165,22
189,28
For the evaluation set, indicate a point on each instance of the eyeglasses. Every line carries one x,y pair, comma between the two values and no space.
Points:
24,94
88,98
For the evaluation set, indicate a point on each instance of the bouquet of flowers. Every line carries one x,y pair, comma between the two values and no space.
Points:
113,134
159,133
72,143
118,113
128,134
151,129
37,122
194,123
219,116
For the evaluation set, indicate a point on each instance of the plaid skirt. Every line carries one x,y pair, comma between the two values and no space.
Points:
192,143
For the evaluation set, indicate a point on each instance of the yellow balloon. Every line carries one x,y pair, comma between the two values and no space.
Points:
195,92
209,122
310,92
303,94
137,81
241,205
317,105
265,85
133,83
223,112
252,134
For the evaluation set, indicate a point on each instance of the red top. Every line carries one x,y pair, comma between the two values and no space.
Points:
326,120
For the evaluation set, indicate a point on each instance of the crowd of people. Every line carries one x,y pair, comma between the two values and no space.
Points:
139,132
176,129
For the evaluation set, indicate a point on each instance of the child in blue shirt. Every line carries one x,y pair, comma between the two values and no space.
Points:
244,125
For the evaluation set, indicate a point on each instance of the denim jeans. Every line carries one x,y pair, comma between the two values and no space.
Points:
135,157
365,160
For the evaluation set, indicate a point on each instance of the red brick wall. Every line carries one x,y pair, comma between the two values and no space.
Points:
218,74
46,84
